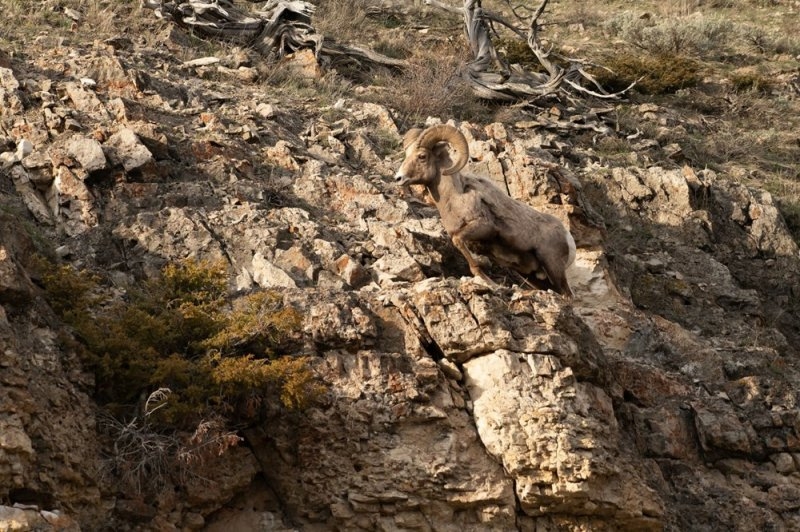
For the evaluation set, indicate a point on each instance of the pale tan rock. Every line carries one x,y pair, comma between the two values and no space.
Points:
463,319
303,63
88,152
125,148
561,450
31,197
86,101
296,263
9,86
720,429
71,202
430,464
351,271
14,520
673,366
784,463
266,274
281,155
397,265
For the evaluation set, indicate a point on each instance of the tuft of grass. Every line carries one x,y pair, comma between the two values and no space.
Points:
611,146
344,20
27,20
392,48
653,74
432,85
749,80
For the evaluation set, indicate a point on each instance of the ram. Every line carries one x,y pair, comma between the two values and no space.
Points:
482,219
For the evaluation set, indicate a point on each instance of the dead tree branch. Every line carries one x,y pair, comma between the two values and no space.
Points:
278,28
491,78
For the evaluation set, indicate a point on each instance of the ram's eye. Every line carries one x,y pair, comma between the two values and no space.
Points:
422,156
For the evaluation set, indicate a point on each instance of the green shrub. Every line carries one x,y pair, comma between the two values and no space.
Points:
658,74
181,332
517,51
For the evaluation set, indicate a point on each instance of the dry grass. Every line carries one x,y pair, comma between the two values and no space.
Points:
728,78
27,20
693,35
431,86
344,20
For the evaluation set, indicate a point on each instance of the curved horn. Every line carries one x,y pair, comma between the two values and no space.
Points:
410,136
449,134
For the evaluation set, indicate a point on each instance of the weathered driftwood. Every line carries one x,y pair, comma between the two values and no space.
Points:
492,78
276,29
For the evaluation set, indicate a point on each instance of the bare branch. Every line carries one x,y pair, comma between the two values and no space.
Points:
278,28
489,75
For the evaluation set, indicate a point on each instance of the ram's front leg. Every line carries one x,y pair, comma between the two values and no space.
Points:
474,231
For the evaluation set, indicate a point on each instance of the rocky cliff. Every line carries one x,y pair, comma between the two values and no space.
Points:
664,397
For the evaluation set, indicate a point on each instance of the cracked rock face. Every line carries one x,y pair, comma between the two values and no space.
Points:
563,450
663,397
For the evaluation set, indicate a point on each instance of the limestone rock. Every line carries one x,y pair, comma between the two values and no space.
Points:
663,396
266,274
398,265
465,322
333,319
14,519
88,152
71,202
9,86
304,64
720,430
236,470
125,148
431,461
31,196
86,101
351,271
562,450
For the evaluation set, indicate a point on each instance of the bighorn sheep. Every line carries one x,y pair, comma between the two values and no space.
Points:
478,215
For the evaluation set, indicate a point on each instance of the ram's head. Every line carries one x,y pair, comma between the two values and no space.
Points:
428,156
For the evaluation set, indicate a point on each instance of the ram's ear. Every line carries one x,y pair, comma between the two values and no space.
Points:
440,149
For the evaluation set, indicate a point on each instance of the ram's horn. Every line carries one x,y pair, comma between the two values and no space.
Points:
444,133
410,136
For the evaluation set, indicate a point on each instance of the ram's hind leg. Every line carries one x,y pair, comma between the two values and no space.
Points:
558,278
